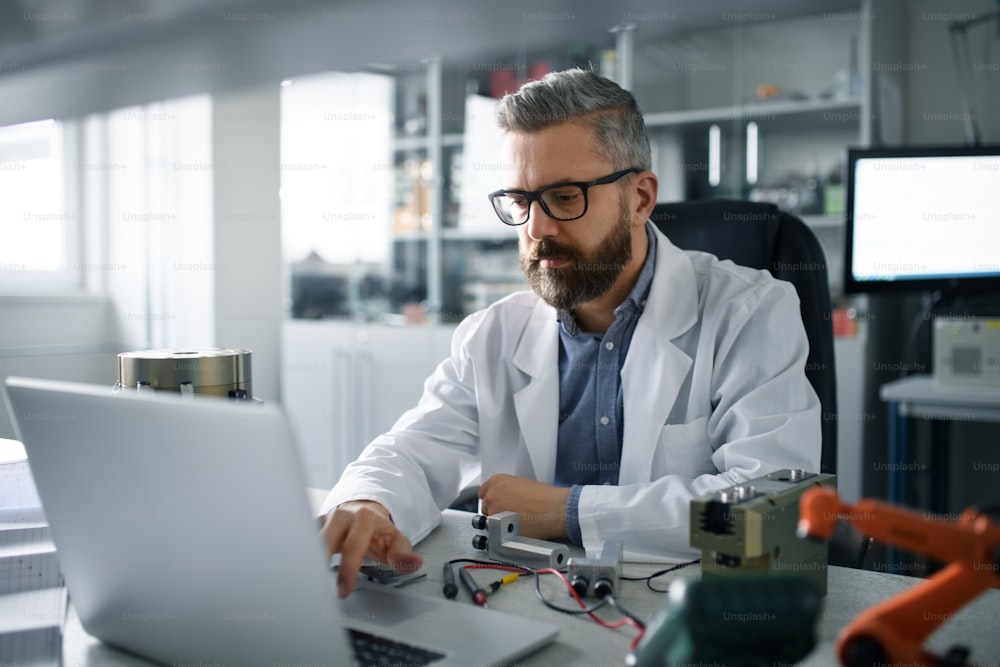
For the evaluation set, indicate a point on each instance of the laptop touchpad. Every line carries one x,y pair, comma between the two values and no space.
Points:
386,608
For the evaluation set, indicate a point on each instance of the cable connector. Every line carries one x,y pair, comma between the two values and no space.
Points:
598,577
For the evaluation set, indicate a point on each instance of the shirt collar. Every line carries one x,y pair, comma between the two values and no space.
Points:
636,299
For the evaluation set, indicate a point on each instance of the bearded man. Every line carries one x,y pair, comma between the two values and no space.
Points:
631,378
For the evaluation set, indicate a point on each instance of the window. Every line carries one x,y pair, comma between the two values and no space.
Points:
39,224
336,193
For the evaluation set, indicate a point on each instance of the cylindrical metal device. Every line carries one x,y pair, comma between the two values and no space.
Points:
214,371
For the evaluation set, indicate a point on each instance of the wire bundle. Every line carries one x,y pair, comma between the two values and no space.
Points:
627,618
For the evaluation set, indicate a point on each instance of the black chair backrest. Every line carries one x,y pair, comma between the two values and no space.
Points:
762,236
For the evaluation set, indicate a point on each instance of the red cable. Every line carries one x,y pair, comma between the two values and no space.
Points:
624,620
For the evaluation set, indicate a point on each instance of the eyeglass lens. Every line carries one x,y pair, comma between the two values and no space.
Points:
562,203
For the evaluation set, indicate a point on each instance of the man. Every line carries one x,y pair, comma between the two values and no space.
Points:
632,377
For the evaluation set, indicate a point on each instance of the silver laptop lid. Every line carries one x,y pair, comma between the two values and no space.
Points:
182,526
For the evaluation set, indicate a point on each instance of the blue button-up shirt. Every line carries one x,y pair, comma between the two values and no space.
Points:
591,409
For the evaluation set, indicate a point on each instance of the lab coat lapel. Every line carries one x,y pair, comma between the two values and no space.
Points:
655,367
537,403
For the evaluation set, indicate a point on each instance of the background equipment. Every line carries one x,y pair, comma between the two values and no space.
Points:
213,371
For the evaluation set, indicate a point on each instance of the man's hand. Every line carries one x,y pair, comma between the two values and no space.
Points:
362,528
542,507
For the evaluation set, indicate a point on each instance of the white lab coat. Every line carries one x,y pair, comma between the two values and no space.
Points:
714,394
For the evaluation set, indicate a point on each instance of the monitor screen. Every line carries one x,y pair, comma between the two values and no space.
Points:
923,219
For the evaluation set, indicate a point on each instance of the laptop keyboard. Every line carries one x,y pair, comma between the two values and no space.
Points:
374,651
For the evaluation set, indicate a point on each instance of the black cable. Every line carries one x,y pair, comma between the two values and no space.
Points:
649,579
928,302
555,607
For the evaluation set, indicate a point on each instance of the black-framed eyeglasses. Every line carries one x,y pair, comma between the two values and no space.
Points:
562,201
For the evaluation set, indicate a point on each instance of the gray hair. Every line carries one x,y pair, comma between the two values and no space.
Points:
578,95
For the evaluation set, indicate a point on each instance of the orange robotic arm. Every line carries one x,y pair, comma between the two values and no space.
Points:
894,631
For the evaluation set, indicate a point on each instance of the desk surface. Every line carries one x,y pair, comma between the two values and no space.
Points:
925,389
583,642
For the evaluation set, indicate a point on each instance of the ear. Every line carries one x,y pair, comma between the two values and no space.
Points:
644,190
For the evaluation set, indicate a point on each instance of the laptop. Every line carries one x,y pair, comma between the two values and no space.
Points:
184,531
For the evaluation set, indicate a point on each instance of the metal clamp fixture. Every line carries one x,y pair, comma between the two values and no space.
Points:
503,542
749,529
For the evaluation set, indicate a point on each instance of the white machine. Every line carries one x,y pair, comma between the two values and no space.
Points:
967,351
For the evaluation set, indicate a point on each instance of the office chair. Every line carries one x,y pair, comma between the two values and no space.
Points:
762,236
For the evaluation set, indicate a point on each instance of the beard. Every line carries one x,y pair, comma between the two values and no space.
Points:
587,276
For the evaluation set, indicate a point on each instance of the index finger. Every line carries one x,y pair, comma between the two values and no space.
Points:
351,558
350,538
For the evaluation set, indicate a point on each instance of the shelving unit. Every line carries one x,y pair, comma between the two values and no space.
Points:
773,111
685,83
805,85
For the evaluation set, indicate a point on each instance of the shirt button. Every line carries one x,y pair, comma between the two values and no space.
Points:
604,421
609,345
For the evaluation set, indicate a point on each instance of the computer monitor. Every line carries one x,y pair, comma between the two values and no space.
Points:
923,220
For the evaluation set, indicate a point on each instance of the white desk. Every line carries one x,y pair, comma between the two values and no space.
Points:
583,642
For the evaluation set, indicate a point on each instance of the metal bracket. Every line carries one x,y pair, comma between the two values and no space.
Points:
503,542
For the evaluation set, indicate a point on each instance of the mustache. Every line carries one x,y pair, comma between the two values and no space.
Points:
547,249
